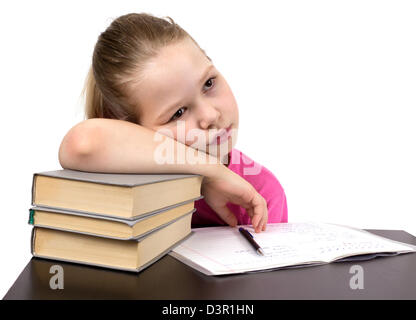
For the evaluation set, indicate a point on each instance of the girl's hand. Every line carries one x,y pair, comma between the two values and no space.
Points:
226,186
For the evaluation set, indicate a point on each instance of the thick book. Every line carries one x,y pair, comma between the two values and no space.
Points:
104,226
122,195
223,250
129,255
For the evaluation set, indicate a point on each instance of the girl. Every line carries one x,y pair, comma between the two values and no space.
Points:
148,76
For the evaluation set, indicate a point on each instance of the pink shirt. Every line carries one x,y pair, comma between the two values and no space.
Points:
261,179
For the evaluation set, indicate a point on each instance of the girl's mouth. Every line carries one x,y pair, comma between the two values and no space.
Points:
221,136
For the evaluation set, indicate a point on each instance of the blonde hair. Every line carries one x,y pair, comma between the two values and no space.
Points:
120,53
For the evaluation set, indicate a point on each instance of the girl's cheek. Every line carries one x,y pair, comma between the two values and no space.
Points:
196,138
181,140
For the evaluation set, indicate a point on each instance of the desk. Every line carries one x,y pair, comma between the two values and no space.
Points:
384,278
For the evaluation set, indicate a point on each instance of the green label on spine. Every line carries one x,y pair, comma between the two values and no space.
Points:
31,216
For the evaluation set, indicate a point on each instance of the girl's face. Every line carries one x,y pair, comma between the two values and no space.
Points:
181,91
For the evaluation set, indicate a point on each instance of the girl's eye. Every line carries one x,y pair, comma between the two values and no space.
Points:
210,82
177,114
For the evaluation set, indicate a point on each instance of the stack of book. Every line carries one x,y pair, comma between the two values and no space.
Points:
120,221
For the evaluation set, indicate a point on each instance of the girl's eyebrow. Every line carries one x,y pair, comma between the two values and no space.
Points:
166,110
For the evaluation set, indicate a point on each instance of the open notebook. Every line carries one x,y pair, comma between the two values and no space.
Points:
223,250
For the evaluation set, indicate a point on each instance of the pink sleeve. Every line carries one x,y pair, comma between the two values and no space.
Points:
277,207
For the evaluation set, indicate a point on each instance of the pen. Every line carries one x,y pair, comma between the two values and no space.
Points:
250,239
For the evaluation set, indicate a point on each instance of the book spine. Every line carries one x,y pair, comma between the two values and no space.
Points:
31,217
32,241
33,189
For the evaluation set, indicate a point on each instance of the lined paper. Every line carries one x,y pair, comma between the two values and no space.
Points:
223,250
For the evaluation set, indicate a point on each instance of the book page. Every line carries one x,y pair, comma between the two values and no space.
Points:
223,250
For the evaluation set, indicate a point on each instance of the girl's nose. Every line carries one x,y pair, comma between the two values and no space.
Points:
208,116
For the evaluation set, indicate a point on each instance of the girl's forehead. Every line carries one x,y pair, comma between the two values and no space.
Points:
173,75
176,61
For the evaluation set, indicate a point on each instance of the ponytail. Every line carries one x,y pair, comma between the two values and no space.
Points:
93,97
98,106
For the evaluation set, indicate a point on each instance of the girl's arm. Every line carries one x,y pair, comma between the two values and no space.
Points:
117,146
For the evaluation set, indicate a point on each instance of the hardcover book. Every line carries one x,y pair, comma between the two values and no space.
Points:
129,255
104,226
126,196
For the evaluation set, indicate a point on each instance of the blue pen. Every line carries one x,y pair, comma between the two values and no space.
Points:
250,239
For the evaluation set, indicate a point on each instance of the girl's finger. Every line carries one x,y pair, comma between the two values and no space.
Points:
264,218
263,223
249,212
258,210
226,215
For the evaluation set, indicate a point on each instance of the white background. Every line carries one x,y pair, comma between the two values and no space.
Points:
327,87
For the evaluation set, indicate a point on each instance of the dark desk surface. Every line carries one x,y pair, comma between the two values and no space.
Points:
384,278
